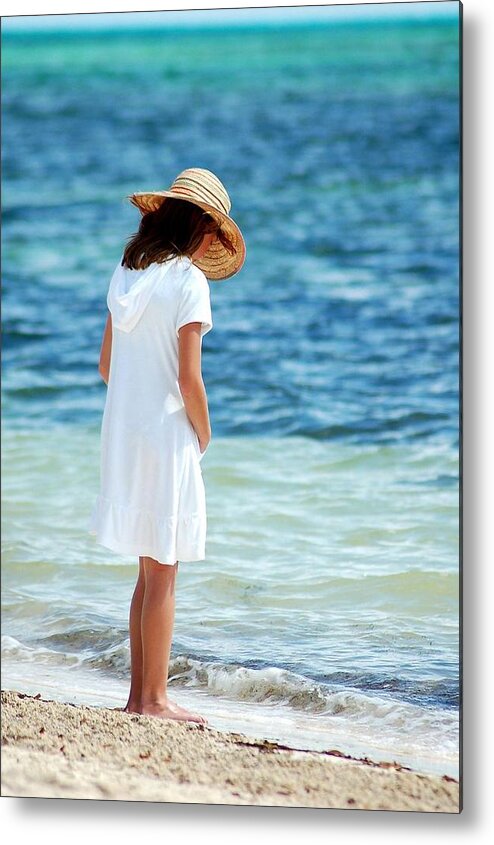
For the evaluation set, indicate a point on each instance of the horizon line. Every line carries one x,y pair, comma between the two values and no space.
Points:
253,16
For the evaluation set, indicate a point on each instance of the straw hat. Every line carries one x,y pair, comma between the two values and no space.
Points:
204,189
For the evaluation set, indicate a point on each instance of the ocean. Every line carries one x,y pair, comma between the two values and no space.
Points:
326,613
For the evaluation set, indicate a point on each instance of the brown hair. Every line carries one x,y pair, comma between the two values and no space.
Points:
177,227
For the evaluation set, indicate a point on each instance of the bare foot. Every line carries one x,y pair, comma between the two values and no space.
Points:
130,707
170,710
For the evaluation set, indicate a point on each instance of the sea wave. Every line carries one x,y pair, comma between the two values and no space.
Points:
353,695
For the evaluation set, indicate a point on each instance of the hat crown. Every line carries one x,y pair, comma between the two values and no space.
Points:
197,183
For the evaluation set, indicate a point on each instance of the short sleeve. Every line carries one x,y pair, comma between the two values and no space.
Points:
195,303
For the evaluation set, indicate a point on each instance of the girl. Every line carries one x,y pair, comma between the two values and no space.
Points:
155,427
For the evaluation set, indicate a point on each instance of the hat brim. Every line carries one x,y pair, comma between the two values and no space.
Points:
217,263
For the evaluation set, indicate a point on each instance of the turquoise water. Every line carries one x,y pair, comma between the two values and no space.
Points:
326,611
329,589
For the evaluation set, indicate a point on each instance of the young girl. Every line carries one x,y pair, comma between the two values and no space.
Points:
155,427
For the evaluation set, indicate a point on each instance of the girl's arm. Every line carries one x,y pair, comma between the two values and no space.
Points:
191,383
105,354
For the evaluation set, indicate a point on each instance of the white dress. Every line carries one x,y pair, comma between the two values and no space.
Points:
152,499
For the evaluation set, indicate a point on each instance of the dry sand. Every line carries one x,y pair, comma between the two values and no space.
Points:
66,751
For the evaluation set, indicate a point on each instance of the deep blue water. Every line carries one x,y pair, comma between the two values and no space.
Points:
339,147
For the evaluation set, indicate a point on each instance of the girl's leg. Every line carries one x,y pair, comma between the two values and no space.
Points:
134,703
157,618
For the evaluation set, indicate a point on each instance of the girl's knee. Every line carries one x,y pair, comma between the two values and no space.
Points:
155,567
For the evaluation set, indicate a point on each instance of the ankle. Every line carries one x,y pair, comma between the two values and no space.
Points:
154,699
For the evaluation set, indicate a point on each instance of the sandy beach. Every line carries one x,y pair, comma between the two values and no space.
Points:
66,751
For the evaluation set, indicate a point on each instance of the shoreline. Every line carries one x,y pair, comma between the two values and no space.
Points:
63,750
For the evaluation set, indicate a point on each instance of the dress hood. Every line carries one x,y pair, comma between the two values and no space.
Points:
130,291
